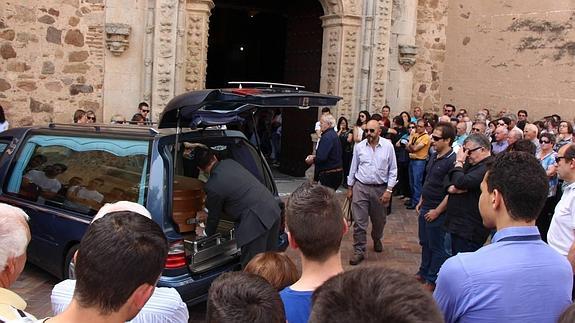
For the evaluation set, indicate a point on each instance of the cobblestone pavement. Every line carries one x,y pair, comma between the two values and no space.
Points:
401,251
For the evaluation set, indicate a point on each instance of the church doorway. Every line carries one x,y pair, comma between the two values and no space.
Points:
273,41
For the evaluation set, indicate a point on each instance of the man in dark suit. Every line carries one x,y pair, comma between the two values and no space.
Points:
233,190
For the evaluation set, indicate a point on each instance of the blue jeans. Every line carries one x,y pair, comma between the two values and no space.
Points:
432,241
416,170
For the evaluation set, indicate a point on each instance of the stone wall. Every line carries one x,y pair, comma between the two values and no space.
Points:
430,40
51,59
511,54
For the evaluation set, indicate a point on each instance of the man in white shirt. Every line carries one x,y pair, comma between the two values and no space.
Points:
46,180
372,176
86,198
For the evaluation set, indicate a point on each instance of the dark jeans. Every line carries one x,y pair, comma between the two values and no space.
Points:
331,180
459,244
403,179
416,170
432,241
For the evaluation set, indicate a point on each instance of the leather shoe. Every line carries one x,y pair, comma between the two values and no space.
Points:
410,207
356,259
377,246
407,202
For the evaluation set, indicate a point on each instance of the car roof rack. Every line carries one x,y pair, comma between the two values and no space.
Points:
99,127
270,85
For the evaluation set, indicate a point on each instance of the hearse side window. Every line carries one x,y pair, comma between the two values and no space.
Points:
80,174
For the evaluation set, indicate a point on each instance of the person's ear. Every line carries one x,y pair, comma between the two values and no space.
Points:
345,227
75,256
141,295
291,241
496,199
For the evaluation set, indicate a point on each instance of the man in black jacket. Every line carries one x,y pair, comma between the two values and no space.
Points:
463,219
233,191
328,156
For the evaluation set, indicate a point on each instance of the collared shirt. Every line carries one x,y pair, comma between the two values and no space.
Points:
433,191
499,146
12,307
165,304
561,232
506,281
371,166
328,154
420,138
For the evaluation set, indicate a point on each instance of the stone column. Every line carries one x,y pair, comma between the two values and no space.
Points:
165,34
198,19
340,59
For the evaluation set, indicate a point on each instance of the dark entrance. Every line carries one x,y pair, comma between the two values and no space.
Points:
272,41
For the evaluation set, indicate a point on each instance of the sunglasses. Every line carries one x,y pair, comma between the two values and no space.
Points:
436,138
411,127
469,151
476,129
91,118
544,141
146,111
558,158
501,123
369,130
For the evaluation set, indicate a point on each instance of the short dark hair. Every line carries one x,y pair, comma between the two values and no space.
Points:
78,114
398,120
138,117
243,297
315,221
449,105
549,136
570,152
524,145
386,107
201,155
119,252
522,111
324,110
143,104
2,115
376,117
373,294
524,195
506,120
447,131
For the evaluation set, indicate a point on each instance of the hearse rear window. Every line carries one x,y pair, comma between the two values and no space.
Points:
80,174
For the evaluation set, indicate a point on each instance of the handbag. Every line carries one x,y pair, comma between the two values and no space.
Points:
346,210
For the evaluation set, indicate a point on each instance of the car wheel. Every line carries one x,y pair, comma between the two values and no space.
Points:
68,270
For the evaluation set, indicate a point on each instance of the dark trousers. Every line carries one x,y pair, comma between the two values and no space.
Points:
459,244
403,179
544,220
265,242
432,241
331,180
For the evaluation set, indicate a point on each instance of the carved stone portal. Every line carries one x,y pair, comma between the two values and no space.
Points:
117,38
407,55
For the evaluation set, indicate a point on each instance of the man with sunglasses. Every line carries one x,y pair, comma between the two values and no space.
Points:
561,234
418,148
144,111
372,176
432,205
463,220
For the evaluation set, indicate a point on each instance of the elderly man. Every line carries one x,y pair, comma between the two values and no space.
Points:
514,135
14,238
372,176
118,264
479,127
501,142
530,133
463,220
518,277
328,156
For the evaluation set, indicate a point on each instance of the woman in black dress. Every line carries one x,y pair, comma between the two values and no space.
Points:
346,138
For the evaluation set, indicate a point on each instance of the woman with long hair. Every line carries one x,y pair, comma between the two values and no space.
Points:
362,120
3,122
346,138
406,118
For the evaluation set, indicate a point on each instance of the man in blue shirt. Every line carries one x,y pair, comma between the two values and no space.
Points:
316,227
517,278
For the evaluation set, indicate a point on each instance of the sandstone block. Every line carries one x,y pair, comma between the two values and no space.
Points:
37,106
26,121
67,81
73,21
7,51
80,88
81,79
54,35
48,68
76,68
17,67
24,14
46,19
4,85
54,86
27,85
54,12
8,34
74,37
78,56
26,37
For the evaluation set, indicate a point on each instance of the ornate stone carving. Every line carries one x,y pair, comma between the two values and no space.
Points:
117,38
407,55
198,20
379,65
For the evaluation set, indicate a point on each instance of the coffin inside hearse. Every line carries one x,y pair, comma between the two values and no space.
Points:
202,253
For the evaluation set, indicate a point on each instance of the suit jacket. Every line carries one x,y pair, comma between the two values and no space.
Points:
234,192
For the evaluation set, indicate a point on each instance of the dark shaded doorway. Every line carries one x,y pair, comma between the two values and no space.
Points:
271,41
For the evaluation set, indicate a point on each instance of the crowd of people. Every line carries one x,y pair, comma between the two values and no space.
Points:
495,200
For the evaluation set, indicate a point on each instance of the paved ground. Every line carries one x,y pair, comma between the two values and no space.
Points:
401,252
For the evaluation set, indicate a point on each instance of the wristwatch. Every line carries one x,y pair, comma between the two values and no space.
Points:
389,190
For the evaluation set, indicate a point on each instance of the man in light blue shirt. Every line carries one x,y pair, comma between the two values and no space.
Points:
517,278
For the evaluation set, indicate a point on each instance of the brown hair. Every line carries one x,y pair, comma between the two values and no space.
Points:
276,267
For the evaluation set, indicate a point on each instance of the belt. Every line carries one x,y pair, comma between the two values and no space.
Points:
372,185
335,170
